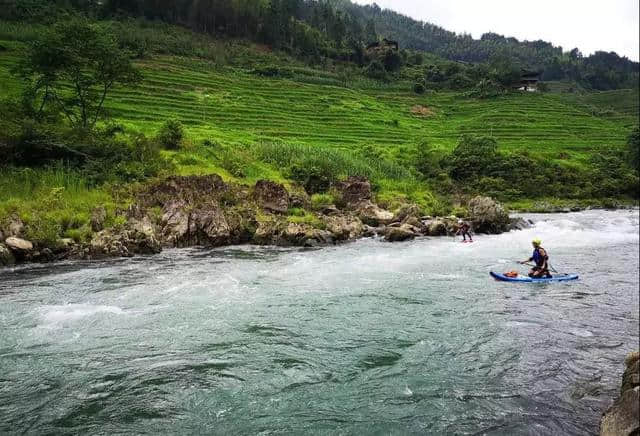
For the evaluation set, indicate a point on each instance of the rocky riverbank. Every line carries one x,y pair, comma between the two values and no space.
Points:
206,211
622,418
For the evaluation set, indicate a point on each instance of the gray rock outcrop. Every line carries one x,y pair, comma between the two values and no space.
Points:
622,418
98,216
271,196
488,216
373,215
6,256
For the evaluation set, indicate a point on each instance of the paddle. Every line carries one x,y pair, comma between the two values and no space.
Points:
531,264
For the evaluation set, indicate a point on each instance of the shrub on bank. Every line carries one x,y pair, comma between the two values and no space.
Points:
171,135
476,166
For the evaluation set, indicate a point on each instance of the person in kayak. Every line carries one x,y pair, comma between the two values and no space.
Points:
463,230
541,259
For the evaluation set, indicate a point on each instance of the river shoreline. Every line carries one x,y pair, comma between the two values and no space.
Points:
204,211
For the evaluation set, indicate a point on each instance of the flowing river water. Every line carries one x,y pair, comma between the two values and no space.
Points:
363,338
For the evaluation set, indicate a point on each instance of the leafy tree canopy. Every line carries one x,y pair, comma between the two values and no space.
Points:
72,68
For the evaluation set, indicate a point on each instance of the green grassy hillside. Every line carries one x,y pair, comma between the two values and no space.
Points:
256,127
232,105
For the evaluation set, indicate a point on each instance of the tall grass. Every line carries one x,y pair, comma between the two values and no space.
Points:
52,202
25,183
340,162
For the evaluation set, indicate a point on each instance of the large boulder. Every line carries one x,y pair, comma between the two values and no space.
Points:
19,247
98,216
123,242
6,256
403,232
304,235
373,215
488,216
274,230
183,226
175,221
622,418
344,227
268,232
188,189
209,227
271,196
355,190
406,212
437,227
519,223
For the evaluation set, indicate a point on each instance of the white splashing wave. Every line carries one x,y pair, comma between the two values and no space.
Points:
53,316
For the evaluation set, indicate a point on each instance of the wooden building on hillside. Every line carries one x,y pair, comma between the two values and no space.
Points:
528,81
382,46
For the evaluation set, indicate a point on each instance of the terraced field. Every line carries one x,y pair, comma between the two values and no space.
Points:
233,106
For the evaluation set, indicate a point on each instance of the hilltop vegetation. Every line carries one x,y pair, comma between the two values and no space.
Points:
340,30
196,104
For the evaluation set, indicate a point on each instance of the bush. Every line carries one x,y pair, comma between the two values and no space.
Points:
419,88
313,174
234,164
486,88
171,134
320,201
474,156
376,70
296,211
128,159
428,161
272,71
392,60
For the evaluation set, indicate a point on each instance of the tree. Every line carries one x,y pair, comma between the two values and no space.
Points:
473,157
72,68
392,60
370,33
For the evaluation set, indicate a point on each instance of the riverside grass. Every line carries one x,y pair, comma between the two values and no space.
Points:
246,127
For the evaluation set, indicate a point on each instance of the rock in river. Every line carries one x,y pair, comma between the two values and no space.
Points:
622,418
19,246
400,233
372,214
6,256
488,216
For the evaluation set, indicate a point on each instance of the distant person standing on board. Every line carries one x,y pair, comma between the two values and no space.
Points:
464,231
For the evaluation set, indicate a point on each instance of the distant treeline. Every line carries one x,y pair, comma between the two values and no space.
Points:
339,29
601,70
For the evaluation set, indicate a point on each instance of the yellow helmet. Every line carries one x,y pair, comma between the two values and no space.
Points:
536,242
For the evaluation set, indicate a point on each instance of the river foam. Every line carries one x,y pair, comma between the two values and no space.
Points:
62,315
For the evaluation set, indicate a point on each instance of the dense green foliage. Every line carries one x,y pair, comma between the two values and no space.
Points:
71,69
479,167
341,30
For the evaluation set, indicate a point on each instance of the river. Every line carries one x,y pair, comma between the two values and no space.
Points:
363,338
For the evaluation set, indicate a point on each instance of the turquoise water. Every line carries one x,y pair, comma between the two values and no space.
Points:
364,338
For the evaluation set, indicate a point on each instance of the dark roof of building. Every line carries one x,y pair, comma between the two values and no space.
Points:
384,41
529,74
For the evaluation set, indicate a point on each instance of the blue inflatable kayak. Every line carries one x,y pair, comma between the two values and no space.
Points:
526,279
